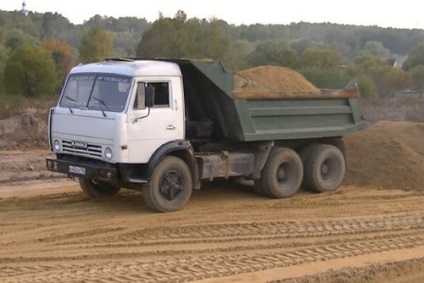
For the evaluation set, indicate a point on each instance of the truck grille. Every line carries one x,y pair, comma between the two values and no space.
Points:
89,150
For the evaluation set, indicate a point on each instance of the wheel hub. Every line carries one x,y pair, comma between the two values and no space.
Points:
170,186
325,169
283,172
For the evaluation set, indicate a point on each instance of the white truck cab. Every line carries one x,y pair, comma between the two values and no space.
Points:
102,113
104,120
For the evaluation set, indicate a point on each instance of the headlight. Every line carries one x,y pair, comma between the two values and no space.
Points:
108,153
56,145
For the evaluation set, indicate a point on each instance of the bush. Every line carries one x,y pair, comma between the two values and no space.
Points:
30,71
367,88
326,78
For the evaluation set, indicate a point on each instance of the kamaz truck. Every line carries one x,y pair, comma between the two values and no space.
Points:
165,126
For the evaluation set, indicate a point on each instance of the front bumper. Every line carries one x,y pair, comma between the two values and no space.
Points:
85,170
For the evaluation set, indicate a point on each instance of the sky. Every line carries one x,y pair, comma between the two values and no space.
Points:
407,14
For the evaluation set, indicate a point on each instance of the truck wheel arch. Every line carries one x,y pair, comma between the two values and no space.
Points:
179,148
170,187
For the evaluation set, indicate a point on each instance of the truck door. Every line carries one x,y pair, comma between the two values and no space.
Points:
150,128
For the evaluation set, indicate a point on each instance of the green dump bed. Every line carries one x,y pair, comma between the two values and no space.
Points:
211,95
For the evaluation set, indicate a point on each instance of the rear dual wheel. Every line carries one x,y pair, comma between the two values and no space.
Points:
282,174
324,167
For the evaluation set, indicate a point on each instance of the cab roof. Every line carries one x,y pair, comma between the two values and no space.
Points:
133,68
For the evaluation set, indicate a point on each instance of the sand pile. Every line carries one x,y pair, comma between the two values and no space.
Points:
387,154
271,81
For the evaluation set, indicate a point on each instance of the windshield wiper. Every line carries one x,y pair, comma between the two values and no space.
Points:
102,103
71,99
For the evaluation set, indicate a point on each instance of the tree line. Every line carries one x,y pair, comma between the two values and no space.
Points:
38,50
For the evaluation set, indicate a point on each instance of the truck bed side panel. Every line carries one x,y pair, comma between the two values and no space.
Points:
298,119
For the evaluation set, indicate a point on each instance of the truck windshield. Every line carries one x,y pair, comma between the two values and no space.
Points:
96,92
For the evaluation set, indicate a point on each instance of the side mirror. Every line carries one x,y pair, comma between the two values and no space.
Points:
150,95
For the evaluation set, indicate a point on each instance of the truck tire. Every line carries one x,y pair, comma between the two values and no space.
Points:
304,154
170,186
339,143
96,189
325,168
282,174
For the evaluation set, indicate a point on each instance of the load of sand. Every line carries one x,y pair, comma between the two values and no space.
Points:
273,82
387,155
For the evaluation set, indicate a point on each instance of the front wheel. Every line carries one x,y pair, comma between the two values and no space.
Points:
97,189
170,186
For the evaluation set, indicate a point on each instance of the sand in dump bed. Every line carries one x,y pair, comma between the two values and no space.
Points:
387,154
271,81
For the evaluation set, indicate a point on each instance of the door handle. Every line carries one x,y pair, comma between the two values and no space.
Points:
170,127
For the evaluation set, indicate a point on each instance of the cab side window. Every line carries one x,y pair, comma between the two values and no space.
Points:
161,90
161,94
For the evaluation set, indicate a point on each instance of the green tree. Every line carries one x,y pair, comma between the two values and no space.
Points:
30,71
258,32
61,54
4,54
16,37
320,58
415,57
326,78
212,44
173,38
2,35
239,50
367,64
300,45
417,77
273,53
394,80
126,43
180,37
17,20
373,68
95,21
96,44
367,88
375,48
55,25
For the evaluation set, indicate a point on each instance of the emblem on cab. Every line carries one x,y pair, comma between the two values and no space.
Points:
79,144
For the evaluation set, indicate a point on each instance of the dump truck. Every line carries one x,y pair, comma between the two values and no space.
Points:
166,126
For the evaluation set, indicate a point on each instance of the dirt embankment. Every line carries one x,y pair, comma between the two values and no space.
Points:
28,130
